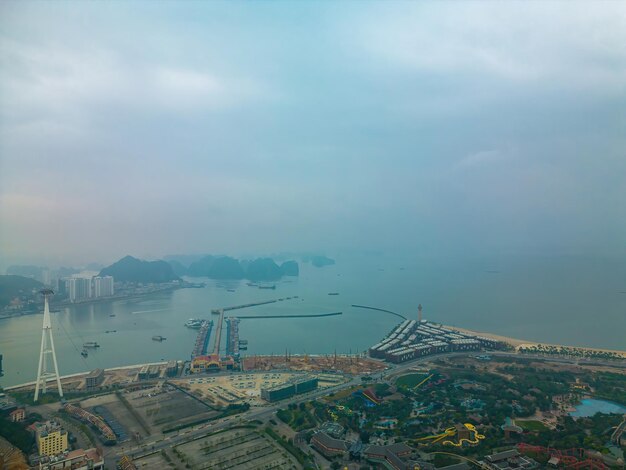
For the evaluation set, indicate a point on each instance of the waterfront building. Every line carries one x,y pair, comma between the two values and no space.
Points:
211,363
51,438
61,287
103,286
171,369
79,288
411,339
94,379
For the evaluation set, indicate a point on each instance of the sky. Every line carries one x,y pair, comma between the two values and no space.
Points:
431,128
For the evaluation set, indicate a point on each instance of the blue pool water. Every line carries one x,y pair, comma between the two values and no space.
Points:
591,406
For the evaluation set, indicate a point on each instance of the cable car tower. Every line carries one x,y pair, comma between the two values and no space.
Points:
47,348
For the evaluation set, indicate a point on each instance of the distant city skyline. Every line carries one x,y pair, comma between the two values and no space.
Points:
431,128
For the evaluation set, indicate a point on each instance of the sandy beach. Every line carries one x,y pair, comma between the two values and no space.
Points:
519,343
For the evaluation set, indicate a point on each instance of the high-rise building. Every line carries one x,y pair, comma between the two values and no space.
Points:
79,288
103,286
51,438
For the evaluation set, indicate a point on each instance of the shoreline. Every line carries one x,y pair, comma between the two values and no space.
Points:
99,300
519,343
80,374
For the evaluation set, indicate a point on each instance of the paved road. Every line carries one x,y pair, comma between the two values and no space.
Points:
267,412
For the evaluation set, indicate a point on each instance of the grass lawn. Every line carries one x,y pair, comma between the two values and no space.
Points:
342,394
410,380
531,425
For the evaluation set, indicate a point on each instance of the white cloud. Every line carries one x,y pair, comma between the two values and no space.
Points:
575,44
483,158
70,83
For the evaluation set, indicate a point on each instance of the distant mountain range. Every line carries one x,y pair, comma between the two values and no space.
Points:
225,267
319,261
130,269
13,286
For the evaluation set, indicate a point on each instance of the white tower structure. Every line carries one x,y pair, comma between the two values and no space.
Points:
47,348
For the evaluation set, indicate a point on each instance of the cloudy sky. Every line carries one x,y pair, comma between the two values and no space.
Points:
435,127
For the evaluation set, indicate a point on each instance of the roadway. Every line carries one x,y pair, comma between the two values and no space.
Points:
267,412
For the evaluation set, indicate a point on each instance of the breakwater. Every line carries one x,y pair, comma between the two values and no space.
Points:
313,315
380,310
253,304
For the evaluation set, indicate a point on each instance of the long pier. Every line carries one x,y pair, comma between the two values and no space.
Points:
380,310
253,304
314,315
218,333
202,340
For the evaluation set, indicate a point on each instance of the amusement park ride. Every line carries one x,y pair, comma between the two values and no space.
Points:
456,436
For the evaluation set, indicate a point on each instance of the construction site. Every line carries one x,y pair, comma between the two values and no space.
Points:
345,364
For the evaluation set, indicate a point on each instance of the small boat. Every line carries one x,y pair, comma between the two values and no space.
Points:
230,290
84,353
268,287
194,323
91,344
333,293
112,315
158,338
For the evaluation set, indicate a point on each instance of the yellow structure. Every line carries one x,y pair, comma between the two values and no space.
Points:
211,363
465,433
51,438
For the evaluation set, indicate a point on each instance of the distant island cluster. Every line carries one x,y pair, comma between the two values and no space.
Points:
131,276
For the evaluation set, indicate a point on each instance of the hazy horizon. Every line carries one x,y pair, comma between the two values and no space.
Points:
425,128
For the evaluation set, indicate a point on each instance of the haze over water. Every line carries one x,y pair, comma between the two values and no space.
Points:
577,301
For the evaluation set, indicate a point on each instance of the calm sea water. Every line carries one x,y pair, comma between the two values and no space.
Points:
591,406
564,300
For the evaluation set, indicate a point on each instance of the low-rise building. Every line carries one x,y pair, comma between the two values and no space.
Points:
329,446
278,392
509,460
80,459
288,389
17,415
390,455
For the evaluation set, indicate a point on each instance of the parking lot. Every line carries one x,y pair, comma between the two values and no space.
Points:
239,448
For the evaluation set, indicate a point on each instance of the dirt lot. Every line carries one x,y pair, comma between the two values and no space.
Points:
159,408
112,403
345,364
237,388
242,449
